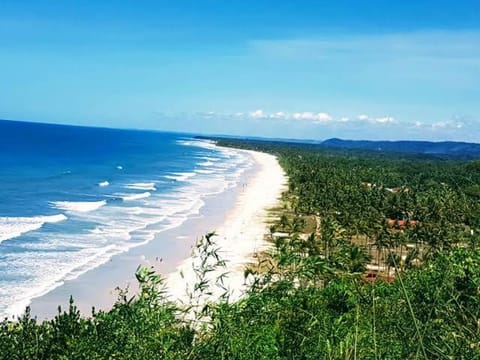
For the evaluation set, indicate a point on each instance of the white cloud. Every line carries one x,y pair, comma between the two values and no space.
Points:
320,117
439,124
323,117
307,115
378,120
364,126
451,124
455,125
257,114
278,115
384,120
302,116
317,118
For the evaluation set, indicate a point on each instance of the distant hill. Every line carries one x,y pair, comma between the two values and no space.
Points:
451,148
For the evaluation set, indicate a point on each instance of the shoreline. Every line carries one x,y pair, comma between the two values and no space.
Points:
240,237
230,213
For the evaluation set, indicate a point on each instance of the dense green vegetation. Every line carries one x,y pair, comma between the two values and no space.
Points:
416,218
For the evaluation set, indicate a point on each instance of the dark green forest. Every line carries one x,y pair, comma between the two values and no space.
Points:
374,256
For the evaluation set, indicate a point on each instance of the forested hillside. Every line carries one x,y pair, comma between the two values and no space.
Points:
448,148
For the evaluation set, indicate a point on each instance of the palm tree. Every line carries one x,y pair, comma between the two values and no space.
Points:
354,259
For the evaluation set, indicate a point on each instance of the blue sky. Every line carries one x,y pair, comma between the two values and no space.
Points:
300,69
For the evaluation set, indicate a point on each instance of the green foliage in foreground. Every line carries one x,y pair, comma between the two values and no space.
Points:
349,319
431,313
310,301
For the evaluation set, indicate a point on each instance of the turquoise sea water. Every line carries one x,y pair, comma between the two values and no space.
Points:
72,197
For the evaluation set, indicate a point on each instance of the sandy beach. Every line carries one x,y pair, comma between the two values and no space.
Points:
237,216
240,236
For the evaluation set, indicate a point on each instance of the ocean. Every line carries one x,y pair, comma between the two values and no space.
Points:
72,197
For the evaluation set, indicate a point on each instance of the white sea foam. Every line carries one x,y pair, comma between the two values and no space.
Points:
103,183
97,231
97,247
204,171
206,144
11,227
78,206
180,176
206,163
147,186
48,277
136,196
210,158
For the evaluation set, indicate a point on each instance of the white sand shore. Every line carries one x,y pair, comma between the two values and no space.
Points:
240,236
